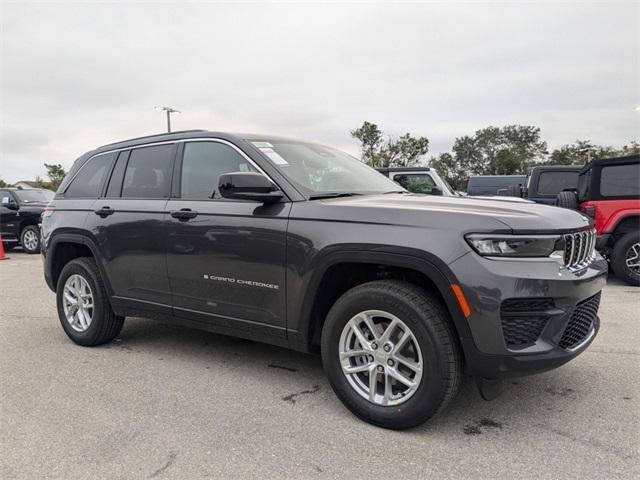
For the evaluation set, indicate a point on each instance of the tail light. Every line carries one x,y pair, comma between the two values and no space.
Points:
48,211
590,211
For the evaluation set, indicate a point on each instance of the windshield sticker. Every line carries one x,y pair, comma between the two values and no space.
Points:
262,144
274,156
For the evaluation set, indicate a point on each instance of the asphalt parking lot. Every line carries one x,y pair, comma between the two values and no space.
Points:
168,402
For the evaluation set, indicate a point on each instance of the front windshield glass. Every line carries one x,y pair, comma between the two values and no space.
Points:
34,196
316,169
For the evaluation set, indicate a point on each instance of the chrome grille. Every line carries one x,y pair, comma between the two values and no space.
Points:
579,248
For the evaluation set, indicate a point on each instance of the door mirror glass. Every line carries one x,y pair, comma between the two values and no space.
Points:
248,186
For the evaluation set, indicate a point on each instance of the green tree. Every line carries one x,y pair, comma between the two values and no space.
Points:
500,150
403,151
56,174
582,151
4,184
449,168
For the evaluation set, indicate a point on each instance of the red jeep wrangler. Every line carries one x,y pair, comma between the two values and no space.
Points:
609,192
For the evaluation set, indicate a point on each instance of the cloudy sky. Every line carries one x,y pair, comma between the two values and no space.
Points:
75,76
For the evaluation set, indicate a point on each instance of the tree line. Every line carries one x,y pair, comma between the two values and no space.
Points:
508,150
55,174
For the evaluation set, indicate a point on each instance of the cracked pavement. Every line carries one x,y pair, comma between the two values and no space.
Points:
165,402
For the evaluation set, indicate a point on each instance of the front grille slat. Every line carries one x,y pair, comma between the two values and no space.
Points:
581,324
579,249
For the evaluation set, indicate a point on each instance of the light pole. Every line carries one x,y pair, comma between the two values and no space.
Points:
169,111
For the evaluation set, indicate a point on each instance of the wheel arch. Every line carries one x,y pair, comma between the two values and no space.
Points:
416,267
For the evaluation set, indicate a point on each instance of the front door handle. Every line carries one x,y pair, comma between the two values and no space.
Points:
104,211
184,214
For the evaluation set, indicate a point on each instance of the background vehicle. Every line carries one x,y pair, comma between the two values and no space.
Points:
303,246
609,193
546,181
20,211
488,185
419,180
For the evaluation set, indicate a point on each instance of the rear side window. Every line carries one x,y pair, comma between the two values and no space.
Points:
90,179
551,183
584,186
620,181
202,165
416,182
148,173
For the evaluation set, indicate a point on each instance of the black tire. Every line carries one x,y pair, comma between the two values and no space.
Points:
567,200
31,246
105,325
431,325
619,253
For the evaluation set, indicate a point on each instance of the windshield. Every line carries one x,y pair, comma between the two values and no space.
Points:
316,169
34,196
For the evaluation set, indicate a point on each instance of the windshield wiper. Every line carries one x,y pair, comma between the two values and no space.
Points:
320,196
396,191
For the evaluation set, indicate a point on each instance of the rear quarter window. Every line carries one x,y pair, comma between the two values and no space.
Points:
90,178
551,183
620,181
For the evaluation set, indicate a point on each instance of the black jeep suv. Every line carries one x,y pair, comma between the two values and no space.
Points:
20,211
300,245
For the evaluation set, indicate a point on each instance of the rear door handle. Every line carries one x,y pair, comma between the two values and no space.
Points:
184,214
104,211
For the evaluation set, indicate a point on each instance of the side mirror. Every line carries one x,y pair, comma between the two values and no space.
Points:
11,205
436,191
248,186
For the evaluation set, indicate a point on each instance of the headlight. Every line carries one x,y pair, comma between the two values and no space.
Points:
514,245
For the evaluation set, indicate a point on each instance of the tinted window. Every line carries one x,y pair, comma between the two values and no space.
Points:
202,165
115,183
584,186
550,183
620,181
89,180
148,173
5,197
416,182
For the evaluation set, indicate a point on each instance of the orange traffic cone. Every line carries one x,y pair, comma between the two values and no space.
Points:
2,255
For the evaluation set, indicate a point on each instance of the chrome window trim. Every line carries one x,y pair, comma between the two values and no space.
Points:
173,142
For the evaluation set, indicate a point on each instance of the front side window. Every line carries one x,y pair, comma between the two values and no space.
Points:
416,182
552,183
620,181
89,180
316,169
148,173
202,165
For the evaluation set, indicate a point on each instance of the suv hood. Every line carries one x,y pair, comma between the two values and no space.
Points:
462,213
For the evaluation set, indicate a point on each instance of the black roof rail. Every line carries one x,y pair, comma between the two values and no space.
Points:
153,136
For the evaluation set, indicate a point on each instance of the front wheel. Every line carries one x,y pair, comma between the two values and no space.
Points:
30,239
625,258
391,354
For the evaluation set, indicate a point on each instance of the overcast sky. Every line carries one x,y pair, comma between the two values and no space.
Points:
76,76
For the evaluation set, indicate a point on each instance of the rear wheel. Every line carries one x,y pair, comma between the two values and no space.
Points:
390,354
30,239
567,200
625,258
83,306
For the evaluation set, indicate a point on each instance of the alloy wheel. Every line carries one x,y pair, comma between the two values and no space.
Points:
380,357
30,240
77,304
632,258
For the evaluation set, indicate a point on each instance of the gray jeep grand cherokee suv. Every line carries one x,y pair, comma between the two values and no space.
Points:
300,245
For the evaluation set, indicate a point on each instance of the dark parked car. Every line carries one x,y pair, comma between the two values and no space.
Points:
300,245
20,211
608,191
546,181
488,185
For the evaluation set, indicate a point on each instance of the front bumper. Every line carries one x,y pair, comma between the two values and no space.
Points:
487,284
